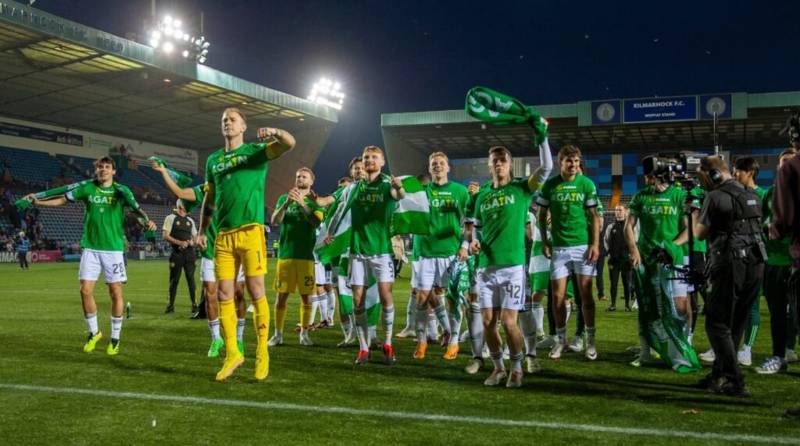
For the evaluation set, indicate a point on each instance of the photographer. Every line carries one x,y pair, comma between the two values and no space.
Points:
731,221
662,295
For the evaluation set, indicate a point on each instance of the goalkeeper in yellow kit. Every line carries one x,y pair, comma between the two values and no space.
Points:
236,177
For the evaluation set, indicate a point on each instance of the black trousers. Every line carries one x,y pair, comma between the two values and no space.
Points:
776,291
620,268
734,288
181,260
600,280
699,264
23,260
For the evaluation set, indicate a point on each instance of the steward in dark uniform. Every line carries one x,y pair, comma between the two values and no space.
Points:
180,230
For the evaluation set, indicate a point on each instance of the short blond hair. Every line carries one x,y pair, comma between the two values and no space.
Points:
438,154
238,112
374,149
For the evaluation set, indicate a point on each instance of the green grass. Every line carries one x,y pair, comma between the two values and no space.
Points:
42,331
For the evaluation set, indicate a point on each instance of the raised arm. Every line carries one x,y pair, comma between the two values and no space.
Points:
398,193
53,202
282,141
542,173
182,193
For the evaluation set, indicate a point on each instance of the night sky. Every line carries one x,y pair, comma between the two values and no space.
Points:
402,56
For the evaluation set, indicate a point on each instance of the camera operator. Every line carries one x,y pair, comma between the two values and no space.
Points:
731,221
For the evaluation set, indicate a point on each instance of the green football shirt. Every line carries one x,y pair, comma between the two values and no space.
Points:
298,235
777,250
239,178
501,214
104,214
371,216
448,204
699,195
659,215
568,202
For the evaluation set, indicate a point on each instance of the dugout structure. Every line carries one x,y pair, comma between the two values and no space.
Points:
614,135
58,72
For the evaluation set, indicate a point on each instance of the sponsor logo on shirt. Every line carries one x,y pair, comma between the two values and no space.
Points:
495,201
228,164
97,199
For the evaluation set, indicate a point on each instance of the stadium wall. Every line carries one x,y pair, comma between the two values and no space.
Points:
20,134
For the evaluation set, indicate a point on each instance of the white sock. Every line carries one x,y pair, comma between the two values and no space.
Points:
314,306
240,329
346,325
528,325
561,335
411,313
497,360
361,328
213,326
441,315
116,327
421,322
516,362
590,334
569,312
538,316
91,323
433,326
476,329
388,323
331,305
322,303
455,325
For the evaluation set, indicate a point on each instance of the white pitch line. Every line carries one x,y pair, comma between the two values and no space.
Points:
593,428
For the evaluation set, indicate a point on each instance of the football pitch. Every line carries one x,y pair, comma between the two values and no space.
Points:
161,388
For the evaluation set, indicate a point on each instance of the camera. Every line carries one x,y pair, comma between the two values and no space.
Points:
672,167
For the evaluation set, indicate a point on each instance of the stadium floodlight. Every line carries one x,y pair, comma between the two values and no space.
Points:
169,37
327,92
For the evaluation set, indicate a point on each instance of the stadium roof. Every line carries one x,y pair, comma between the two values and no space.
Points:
60,72
607,126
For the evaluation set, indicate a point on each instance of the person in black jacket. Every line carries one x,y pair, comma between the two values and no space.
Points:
619,259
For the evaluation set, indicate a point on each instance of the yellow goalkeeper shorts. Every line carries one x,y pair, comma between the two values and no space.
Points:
242,246
295,274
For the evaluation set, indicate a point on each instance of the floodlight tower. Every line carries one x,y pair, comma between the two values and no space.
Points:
327,92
